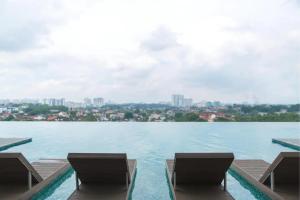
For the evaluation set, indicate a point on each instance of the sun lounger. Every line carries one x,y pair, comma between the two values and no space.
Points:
21,180
199,175
279,180
102,175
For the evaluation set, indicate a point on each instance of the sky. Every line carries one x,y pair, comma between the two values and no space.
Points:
147,50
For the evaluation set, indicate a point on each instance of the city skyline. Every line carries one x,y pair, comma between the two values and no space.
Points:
179,101
229,51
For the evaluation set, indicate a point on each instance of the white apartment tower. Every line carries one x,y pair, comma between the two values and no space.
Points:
187,102
54,102
98,102
177,100
87,101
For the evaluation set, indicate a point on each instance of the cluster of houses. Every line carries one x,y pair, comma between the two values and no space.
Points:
212,116
18,113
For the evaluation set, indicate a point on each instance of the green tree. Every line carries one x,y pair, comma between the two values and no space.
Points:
89,118
9,118
38,109
187,117
222,119
283,117
128,115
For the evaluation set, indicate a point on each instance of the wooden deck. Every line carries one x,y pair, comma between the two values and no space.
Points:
254,168
293,143
6,143
47,167
50,170
251,171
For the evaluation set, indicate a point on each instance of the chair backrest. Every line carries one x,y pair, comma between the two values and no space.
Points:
100,168
201,168
14,169
286,167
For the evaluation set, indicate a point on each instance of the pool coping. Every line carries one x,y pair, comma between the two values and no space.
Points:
288,144
19,141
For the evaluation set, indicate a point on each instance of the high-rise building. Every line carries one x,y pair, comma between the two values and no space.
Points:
72,104
4,101
187,102
60,102
98,102
177,100
87,101
54,102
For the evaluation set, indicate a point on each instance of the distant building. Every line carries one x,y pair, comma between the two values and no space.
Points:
52,118
154,117
209,104
210,117
4,101
177,100
29,101
19,101
87,101
187,102
213,104
98,102
282,111
201,104
54,102
63,114
117,116
3,109
217,103
164,103
60,102
72,105
38,118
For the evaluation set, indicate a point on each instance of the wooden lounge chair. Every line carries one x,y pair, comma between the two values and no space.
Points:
199,175
279,180
102,175
21,180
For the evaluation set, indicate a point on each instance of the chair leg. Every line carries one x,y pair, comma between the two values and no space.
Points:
225,182
127,184
174,180
272,181
77,181
29,180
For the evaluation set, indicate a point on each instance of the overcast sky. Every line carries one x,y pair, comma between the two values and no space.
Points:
145,51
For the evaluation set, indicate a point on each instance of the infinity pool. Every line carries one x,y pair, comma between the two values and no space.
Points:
150,144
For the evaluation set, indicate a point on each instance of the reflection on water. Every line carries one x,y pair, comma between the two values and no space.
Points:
50,189
256,193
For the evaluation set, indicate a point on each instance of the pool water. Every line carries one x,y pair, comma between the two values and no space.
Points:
150,144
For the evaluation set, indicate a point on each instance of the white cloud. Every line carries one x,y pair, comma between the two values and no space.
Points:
147,50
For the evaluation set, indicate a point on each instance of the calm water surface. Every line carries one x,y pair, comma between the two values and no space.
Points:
150,144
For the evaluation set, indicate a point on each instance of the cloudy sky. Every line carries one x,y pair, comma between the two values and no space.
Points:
147,50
